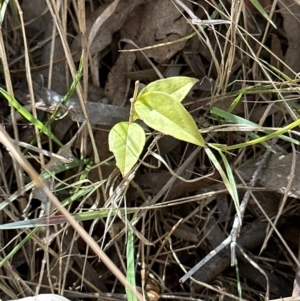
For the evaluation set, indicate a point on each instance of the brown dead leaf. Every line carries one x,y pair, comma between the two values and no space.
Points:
103,37
277,51
38,21
277,284
275,175
100,20
290,10
181,231
263,111
268,200
153,23
224,208
36,16
118,78
291,231
153,181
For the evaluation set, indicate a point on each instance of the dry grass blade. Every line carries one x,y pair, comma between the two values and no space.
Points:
39,184
176,206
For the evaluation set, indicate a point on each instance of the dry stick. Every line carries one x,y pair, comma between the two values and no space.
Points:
231,239
236,227
5,139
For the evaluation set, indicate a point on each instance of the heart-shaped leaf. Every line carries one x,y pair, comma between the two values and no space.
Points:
126,141
163,113
177,87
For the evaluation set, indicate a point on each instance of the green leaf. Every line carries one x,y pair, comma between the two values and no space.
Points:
163,113
177,87
126,141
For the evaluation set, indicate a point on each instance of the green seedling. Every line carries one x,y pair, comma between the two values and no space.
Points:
159,106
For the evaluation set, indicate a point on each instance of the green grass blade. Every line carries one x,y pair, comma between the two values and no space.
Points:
235,102
29,116
17,247
78,194
130,272
281,74
258,6
239,120
275,134
44,176
227,176
69,93
60,219
84,174
232,183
